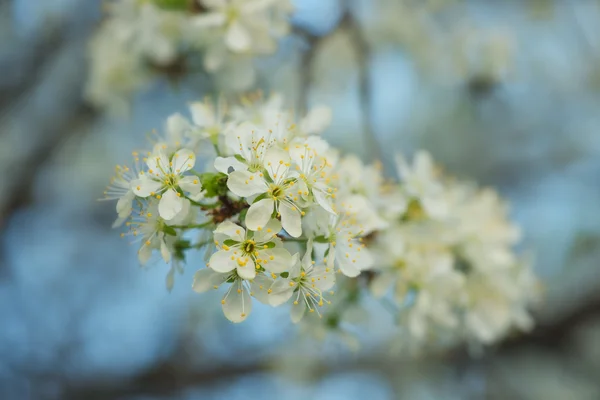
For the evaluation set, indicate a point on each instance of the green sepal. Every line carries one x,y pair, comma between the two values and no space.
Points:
284,274
214,184
270,245
169,230
229,242
172,4
321,239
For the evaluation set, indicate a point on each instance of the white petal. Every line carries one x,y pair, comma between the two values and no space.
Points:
259,214
317,120
222,164
291,219
281,262
165,252
202,114
297,312
158,163
144,254
238,38
244,183
170,205
260,286
221,261
268,232
177,126
206,279
214,58
170,279
276,163
190,184
248,270
124,206
183,160
237,304
144,187
209,20
323,200
231,230
281,291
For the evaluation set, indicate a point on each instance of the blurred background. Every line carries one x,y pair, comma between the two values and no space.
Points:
506,93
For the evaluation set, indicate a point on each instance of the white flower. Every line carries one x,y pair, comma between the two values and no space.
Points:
165,179
245,23
246,252
209,119
314,170
279,190
153,231
120,189
346,248
248,144
306,284
237,302
422,184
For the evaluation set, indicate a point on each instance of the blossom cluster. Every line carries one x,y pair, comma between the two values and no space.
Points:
142,39
284,217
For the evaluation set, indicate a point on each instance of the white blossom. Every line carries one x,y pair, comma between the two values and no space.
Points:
164,179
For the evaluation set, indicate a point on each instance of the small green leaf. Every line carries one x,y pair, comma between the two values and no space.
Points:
169,230
240,158
214,184
270,245
284,274
259,198
229,242
321,239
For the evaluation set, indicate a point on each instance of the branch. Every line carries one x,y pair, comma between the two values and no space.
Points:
362,52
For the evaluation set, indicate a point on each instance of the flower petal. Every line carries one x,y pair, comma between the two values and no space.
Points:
158,164
190,184
244,183
206,279
323,200
221,261
231,230
238,38
260,286
164,251
259,214
281,291
183,160
144,187
223,164
297,312
202,114
291,219
237,303
170,205
317,119
268,232
277,260
246,270
276,162
209,20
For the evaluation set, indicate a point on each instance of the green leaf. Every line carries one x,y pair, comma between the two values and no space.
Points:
262,196
169,230
284,274
321,239
229,242
270,245
172,4
214,184
240,158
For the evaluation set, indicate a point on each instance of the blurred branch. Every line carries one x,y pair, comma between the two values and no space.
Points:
362,51
171,377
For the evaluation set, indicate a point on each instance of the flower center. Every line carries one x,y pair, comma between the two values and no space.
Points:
248,247
276,192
